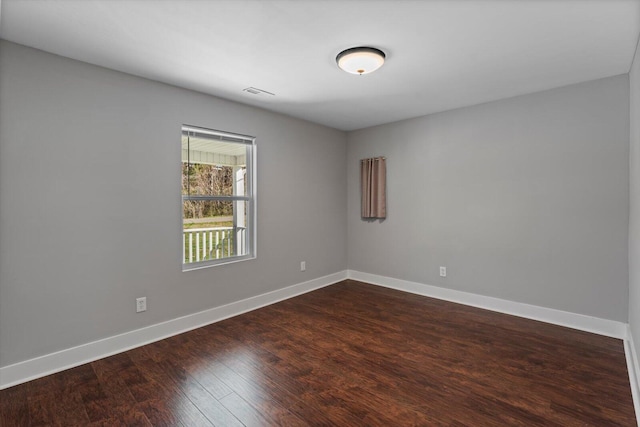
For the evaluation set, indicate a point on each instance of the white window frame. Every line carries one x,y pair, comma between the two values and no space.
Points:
250,198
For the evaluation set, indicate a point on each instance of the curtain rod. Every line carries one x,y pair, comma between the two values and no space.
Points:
374,158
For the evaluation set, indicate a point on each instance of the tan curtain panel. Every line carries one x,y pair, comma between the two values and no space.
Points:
373,181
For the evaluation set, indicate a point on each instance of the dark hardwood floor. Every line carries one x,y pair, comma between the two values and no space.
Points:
347,355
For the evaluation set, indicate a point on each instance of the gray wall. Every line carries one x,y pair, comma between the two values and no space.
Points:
634,205
524,199
90,213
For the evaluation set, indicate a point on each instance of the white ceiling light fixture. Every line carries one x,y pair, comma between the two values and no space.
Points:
360,60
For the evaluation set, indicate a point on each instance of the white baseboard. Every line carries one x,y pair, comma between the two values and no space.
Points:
610,328
634,372
55,362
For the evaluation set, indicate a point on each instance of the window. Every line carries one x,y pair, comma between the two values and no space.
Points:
218,203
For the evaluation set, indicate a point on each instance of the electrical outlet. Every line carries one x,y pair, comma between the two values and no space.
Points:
141,304
443,271
303,265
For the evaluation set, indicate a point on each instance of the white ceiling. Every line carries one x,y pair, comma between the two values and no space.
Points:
441,54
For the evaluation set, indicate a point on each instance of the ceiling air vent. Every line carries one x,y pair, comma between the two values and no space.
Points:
255,91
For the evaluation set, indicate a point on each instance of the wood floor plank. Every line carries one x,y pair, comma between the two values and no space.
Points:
272,396
215,411
348,354
112,393
247,414
14,406
166,403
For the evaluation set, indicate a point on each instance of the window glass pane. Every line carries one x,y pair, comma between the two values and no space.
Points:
213,168
209,232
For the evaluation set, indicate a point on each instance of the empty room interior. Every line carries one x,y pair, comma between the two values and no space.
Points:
227,213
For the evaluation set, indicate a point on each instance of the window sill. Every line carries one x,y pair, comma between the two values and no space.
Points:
214,263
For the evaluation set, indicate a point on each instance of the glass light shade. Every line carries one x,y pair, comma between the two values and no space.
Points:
360,60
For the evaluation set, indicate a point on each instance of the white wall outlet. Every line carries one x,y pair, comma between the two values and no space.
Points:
443,271
303,265
141,304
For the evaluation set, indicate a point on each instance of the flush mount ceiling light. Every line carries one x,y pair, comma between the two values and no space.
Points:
360,60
